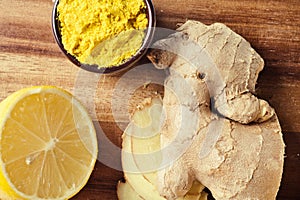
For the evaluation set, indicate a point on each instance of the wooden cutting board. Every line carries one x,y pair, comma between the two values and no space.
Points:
30,56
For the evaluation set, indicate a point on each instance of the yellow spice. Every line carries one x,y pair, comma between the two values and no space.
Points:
102,32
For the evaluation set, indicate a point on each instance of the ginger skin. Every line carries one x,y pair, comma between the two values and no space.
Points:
208,105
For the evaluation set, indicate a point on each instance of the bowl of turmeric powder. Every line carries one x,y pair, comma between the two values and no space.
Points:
105,36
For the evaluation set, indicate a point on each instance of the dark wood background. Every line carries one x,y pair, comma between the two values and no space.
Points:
30,56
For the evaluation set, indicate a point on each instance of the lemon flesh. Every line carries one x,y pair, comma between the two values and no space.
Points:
48,145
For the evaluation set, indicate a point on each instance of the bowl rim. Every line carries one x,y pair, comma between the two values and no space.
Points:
151,16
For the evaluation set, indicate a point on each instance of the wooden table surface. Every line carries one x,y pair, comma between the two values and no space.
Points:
29,56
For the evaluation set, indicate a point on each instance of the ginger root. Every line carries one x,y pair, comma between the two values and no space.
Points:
209,104
227,61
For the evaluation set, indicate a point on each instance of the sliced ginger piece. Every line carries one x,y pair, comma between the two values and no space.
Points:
141,156
126,192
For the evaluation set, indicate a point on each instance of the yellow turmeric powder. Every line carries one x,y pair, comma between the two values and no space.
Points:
102,32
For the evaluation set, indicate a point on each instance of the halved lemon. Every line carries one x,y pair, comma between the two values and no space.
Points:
48,145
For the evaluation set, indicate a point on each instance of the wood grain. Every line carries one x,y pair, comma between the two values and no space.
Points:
30,56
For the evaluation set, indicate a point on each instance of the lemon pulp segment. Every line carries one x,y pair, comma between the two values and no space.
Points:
48,144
